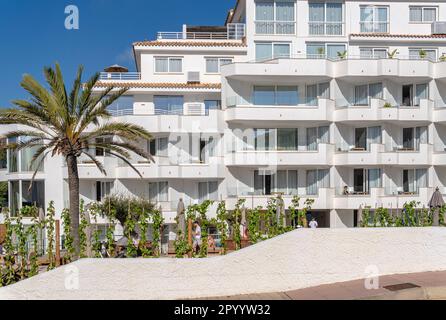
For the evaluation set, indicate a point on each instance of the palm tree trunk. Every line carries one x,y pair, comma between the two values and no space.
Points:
73,185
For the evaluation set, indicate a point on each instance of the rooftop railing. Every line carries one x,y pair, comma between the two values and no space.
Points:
234,31
120,76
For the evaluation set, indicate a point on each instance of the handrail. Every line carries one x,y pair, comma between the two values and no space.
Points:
120,76
234,31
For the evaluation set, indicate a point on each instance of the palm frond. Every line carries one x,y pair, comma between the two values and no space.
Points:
120,129
127,162
74,95
96,162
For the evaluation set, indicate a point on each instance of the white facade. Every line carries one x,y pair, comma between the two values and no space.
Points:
303,98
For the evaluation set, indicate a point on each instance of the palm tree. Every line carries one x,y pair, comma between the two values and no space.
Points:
69,125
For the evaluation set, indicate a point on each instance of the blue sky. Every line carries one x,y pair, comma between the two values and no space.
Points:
33,34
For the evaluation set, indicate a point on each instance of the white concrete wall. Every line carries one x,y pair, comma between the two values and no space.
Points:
300,259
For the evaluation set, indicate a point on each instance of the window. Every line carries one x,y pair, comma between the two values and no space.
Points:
3,154
168,65
420,54
282,181
374,19
212,105
101,152
373,53
158,147
413,94
264,139
422,14
325,50
158,191
276,95
275,17
364,179
317,91
21,195
287,139
365,137
122,106
168,105
317,179
103,190
413,179
213,64
326,19
21,160
269,50
208,191
364,93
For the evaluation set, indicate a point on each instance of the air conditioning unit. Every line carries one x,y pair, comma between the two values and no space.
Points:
439,27
193,77
194,109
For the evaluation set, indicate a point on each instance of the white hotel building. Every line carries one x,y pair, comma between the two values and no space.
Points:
340,101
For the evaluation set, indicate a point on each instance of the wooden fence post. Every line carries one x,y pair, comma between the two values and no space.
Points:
189,236
57,243
2,233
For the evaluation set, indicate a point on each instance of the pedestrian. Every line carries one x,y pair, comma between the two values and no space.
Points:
313,224
197,237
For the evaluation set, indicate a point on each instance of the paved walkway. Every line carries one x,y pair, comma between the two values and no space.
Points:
427,283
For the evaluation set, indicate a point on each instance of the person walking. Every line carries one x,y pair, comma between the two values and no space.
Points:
313,224
197,238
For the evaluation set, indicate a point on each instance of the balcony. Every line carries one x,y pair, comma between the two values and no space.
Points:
119,76
378,111
275,27
207,122
88,169
302,66
323,200
374,27
408,157
240,110
179,171
349,156
326,28
439,114
233,31
321,157
393,197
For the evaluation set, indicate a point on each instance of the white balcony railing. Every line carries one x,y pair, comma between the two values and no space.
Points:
326,28
275,27
121,113
374,27
120,76
235,31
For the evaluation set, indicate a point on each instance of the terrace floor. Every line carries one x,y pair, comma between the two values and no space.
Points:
426,285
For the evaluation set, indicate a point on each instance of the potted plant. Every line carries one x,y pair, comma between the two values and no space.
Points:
423,54
342,55
392,54
443,57
321,52
387,105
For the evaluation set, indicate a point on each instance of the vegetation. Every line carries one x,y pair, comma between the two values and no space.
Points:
57,123
410,216
3,195
392,54
342,55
